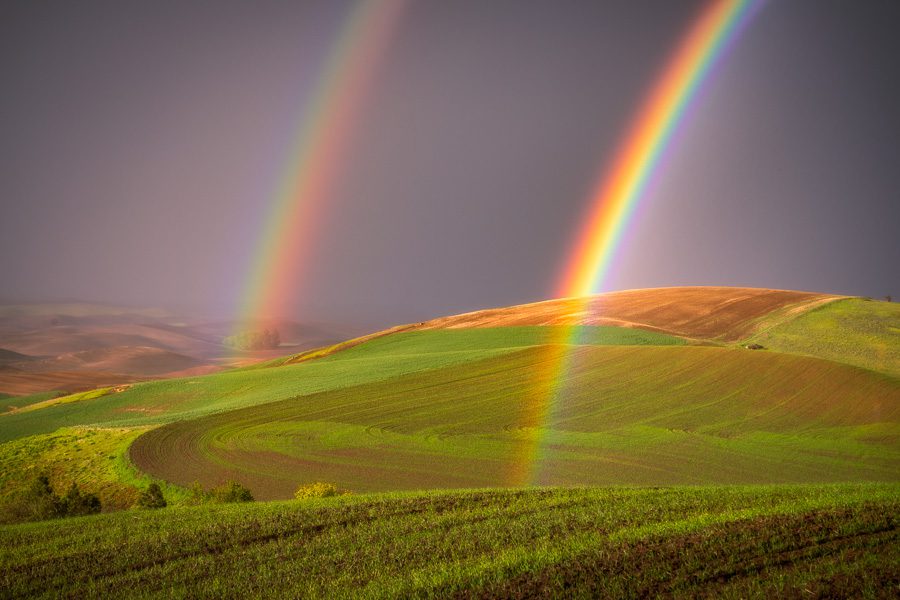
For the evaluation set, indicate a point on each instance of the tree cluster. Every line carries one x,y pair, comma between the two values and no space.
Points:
265,339
318,489
152,497
231,492
40,502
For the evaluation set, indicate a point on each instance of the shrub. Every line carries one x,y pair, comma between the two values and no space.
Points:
318,490
76,503
197,495
152,497
38,502
232,492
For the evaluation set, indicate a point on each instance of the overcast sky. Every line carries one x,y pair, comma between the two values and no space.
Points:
141,144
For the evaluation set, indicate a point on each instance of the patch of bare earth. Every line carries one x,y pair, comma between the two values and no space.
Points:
721,313
22,383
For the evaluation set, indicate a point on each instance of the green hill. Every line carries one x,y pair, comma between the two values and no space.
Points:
157,402
628,415
855,331
466,407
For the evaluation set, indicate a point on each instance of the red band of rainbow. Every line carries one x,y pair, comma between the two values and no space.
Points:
610,208
276,273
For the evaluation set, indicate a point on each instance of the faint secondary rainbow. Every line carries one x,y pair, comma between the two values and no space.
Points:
283,252
616,196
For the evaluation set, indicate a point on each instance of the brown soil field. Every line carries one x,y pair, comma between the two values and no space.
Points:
61,339
721,313
23,383
130,360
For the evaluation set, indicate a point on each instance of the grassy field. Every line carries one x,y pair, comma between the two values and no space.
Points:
630,415
43,432
724,542
93,458
855,331
170,400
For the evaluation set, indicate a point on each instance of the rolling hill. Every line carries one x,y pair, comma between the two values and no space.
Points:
780,410
465,401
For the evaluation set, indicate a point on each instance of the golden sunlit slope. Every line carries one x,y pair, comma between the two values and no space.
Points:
720,313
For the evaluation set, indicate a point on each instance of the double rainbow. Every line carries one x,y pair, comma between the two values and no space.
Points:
612,205
284,250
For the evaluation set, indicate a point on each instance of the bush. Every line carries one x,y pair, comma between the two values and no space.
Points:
232,492
197,495
76,503
38,502
152,497
318,490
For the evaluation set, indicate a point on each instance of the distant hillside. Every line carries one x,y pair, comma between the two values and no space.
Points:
130,360
72,347
8,357
709,313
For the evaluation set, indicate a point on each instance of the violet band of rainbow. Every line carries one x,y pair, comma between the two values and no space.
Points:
617,194
275,280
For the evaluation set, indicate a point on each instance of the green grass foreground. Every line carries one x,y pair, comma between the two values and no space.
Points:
740,541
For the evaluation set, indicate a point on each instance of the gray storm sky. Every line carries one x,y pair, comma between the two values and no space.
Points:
141,144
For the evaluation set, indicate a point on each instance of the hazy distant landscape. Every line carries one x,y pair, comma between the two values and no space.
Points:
78,347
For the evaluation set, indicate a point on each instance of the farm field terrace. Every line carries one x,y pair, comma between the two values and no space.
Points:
422,407
632,415
784,541
156,402
41,433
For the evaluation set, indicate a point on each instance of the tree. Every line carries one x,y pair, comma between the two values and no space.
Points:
318,490
76,503
232,491
152,497
40,502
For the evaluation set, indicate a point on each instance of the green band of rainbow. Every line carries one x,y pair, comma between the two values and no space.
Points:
611,206
275,279
619,192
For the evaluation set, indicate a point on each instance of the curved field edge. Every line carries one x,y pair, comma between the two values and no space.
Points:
629,415
855,331
761,541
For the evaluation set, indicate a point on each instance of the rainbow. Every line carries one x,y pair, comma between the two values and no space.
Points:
620,190
284,249
616,196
